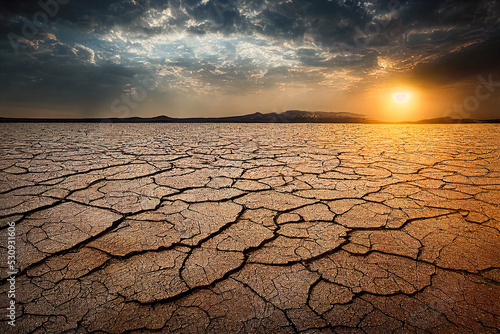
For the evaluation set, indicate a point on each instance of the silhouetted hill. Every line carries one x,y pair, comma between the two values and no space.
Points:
290,116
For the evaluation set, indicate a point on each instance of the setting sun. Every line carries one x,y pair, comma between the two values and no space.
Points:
402,97
399,101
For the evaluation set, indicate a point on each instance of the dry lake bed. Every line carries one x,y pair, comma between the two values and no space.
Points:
265,228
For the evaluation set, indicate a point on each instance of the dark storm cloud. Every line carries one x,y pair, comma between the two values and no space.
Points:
324,20
327,21
471,61
53,73
450,13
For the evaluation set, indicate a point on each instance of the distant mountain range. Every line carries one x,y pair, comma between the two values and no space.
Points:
291,116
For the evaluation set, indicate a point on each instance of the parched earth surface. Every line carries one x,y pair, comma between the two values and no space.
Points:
252,228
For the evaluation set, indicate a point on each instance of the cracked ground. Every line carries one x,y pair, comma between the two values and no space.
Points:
212,228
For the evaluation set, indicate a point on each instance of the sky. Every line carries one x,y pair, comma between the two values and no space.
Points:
389,60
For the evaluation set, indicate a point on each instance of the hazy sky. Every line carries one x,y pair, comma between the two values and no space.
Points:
390,60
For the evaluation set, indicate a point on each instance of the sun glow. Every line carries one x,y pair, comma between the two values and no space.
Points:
398,102
402,97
